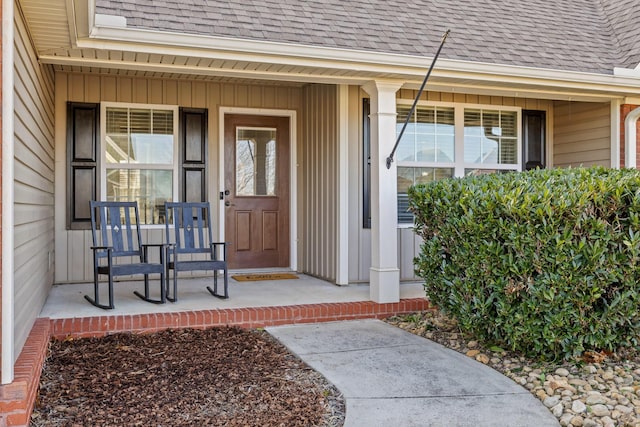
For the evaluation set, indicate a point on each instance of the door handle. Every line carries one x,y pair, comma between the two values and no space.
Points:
228,203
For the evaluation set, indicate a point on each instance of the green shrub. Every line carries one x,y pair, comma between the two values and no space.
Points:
544,262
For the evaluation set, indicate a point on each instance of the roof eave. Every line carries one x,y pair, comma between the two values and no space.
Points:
110,33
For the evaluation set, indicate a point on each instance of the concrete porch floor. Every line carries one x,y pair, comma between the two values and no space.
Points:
67,300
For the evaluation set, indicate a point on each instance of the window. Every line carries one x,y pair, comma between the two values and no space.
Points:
454,141
139,157
131,152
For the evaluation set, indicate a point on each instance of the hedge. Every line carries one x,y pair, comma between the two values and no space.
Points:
544,262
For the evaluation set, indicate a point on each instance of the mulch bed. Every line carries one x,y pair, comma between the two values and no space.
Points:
220,376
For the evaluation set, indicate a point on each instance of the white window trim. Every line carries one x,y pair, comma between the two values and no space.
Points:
176,146
459,166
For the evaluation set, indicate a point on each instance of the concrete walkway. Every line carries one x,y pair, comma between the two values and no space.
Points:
390,377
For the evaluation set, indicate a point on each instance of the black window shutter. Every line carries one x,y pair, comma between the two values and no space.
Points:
83,148
193,154
533,135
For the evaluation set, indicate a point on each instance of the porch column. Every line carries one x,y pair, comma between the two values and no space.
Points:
631,132
384,275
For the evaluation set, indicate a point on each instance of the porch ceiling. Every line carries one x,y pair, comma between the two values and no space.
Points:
64,36
50,24
205,67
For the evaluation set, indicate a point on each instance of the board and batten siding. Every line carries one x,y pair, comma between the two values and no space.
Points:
33,184
319,187
408,242
73,261
582,134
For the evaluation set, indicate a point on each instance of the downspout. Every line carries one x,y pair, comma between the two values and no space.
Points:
7,192
630,138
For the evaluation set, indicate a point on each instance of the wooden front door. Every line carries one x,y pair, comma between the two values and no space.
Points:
256,158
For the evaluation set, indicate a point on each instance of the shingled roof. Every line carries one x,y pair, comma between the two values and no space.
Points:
578,35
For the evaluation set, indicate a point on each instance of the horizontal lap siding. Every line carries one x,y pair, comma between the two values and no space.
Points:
33,184
582,134
73,260
319,155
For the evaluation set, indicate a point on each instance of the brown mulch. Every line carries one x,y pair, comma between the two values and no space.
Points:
220,376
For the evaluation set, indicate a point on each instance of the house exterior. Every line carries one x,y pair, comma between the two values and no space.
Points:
282,114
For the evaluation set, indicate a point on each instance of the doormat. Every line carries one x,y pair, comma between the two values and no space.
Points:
266,276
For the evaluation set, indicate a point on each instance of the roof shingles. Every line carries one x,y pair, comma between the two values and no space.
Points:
578,35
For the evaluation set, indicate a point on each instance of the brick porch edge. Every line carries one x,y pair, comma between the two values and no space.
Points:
18,398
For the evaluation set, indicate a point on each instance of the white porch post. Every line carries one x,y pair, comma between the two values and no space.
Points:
630,133
384,275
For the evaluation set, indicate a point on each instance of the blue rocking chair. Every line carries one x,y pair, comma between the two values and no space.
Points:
188,230
118,251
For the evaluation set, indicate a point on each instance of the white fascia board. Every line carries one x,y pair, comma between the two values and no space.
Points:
166,43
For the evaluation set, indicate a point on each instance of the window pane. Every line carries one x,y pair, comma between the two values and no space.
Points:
405,179
490,136
508,150
117,136
139,135
508,123
445,148
255,162
429,136
406,150
426,145
410,176
446,119
425,115
162,122
150,188
472,149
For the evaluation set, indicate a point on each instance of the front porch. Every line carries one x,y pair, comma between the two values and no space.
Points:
66,314
251,304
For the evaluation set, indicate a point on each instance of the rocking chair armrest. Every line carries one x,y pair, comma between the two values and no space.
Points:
101,248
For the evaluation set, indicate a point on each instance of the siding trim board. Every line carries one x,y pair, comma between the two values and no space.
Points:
28,186
6,253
